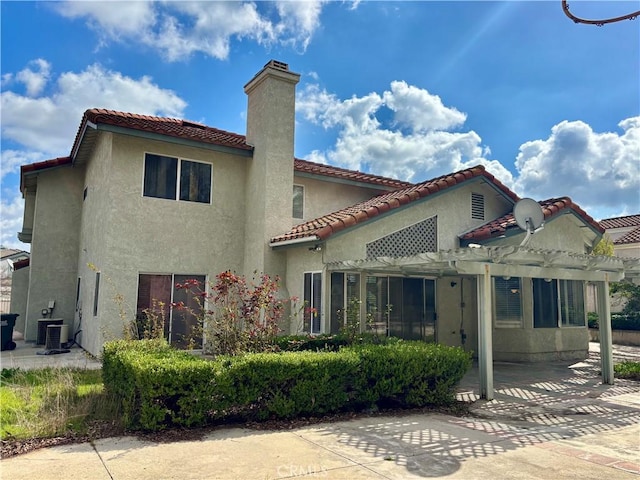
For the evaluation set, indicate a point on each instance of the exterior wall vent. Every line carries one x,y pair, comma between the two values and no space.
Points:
417,238
477,206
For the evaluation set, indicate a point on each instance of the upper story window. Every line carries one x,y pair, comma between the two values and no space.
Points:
298,201
177,179
477,206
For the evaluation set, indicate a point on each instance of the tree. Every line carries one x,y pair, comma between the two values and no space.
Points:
604,246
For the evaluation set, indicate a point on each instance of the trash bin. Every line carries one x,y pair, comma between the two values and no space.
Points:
6,335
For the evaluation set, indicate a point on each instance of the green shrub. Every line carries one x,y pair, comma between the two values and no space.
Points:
628,370
160,387
618,321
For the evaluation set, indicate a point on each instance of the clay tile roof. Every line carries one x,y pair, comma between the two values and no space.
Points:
550,208
202,133
621,222
33,167
630,237
323,227
165,126
304,166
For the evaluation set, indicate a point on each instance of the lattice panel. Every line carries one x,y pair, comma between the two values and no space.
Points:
417,238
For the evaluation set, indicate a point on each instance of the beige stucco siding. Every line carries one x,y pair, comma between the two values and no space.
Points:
152,235
453,211
564,232
299,261
19,296
324,197
54,247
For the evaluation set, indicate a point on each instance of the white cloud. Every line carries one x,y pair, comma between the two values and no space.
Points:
11,211
49,124
599,171
414,145
179,29
12,159
35,81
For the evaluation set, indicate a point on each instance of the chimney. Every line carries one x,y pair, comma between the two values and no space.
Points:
269,188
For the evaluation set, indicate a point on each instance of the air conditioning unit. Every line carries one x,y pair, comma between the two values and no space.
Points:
43,325
56,336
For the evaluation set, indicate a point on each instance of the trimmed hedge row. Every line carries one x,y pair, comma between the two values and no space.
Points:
618,321
161,387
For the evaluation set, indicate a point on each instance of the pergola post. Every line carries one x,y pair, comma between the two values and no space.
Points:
485,344
604,322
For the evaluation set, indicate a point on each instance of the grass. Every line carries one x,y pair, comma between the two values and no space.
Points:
628,370
52,402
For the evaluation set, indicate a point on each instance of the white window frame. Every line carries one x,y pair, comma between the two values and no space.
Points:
293,208
310,304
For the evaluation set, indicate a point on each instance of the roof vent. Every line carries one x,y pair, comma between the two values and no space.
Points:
188,123
279,65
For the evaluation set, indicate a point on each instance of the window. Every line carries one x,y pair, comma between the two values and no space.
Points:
572,305
312,301
156,292
477,206
96,293
161,176
298,201
345,290
558,303
507,302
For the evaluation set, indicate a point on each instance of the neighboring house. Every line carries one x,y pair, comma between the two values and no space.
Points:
142,203
625,234
8,257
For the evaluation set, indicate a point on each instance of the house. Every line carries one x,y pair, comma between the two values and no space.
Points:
9,258
625,234
142,203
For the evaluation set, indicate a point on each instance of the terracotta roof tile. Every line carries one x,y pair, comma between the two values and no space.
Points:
621,222
323,227
550,208
304,166
165,126
32,167
201,133
630,237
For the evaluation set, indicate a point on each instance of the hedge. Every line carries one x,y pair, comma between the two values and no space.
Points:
162,387
618,321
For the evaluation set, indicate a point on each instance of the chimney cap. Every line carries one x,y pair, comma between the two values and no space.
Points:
278,64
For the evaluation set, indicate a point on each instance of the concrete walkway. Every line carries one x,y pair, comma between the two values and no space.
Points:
548,421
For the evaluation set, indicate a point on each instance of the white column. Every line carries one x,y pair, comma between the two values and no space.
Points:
604,321
485,344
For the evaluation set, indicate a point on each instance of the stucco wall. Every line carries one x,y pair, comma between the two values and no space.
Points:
564,233
299,261
457,310
539,344
452,207
54,247
152,235
323,197
19,296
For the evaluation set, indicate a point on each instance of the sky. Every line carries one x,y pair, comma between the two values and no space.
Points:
410,90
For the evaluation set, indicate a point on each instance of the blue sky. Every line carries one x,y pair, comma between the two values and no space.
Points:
410,90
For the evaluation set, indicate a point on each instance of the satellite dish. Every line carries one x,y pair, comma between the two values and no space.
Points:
528,214
529,217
